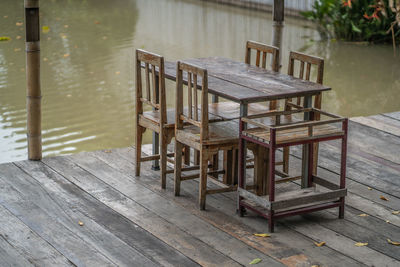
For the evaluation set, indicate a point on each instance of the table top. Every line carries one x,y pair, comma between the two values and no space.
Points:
243,83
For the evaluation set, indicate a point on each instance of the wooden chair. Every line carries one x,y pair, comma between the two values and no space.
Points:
306,62
230,110
207,138
157,120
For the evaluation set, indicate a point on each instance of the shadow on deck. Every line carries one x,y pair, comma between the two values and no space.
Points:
89,209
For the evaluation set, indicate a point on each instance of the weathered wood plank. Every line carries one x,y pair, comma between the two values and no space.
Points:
65,241
197,228
394,115
382,123
221,214
167,232
52,194
22,245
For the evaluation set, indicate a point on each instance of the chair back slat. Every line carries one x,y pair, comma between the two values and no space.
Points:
155,90
194,74
190,105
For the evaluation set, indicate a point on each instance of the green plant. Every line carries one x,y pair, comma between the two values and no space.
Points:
357,20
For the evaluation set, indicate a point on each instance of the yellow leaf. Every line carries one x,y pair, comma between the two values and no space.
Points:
320,244
66,55
396,212
5,17
263,235
383,198
66,26
369,188
45,29
107,151
5,38
18,37
45,59
17,49
117,73
359,244
255,261
314,265
393,242
19,23
363,215
80,223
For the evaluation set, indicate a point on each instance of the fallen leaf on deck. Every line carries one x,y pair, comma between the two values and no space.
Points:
69,95
107,151
19,23
363,215
314,265
359,244
384,198
5,17
117,73
45,29
75,46
96,22
105,37
4,38
393,242
396,212
66,26
17,49
369,188
80,223
263,235
320,244
18,37
66,55
45,59
255,261
387,221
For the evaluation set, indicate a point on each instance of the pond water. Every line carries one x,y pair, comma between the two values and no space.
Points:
88,65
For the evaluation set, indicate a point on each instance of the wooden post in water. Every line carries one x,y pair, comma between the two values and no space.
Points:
278,15
33,105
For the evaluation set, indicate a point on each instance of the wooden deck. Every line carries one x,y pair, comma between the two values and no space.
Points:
130,221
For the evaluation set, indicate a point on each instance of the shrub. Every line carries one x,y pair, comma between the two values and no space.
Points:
357,20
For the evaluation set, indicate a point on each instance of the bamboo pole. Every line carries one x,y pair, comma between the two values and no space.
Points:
34,96
278,16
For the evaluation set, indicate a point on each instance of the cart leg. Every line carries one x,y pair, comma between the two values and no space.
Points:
271,223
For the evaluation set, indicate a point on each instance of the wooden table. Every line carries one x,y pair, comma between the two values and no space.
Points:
244,84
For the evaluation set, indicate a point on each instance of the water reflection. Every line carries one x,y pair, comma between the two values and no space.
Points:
88,59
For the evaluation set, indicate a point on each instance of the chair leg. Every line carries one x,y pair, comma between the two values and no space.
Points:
178,167
203,179
228,167
341,208
187,155
196,157
139,133
163,159
285,166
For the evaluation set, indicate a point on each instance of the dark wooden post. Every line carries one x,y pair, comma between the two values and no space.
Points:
278,14
34,96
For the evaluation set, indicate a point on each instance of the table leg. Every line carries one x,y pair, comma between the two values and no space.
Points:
242,158
156,138
215,158
306,148
317,104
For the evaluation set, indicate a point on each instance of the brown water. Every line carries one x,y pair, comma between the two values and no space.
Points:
88,56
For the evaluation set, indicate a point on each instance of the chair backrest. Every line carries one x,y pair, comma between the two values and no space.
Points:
263,50
306,61
193,75
155,90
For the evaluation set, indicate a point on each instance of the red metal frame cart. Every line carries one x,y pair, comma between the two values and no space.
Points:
315,192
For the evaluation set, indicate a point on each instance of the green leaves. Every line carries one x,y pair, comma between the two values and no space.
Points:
355,28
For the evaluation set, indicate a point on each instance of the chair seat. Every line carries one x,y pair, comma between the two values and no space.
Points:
291,135
222,132
154,116
231,110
